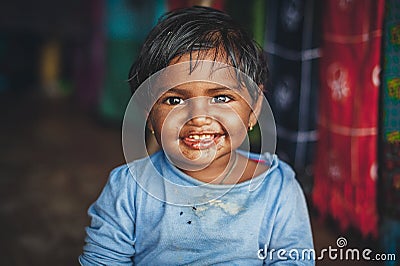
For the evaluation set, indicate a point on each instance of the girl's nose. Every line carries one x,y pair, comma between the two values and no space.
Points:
200,120
198,111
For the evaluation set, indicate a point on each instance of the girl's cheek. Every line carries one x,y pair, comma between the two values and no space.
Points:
239,136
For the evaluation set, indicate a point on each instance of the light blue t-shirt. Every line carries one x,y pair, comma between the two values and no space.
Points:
244,224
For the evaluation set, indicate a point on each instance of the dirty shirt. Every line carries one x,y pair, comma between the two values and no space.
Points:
151,213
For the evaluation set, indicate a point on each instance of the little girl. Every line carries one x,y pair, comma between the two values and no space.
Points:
202,199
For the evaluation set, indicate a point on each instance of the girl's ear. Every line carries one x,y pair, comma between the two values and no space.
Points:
149,125
257,106
148,113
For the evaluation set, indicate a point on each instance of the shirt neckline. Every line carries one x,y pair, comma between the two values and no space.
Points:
270,160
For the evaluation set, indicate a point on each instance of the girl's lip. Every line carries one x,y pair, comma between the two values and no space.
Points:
201,141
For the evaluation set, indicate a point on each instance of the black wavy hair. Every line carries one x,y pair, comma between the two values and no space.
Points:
197,28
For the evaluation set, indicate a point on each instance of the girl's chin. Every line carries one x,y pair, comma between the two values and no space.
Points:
193,159
197,156
191,165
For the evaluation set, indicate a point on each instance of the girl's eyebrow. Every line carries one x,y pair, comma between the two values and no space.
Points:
220,89
208,91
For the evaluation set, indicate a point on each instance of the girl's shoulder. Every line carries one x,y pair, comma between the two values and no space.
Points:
133,169
272,161
279,173
154,159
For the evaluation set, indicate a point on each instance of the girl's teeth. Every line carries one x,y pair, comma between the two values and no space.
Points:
202,141
203,136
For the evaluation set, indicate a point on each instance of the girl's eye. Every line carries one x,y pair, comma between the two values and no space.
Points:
174,100
221,99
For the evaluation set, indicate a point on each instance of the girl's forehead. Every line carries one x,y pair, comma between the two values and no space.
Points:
206,85
205,79
199,71
204,88
212,54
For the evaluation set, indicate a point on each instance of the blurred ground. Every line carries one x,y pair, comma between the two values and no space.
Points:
54,160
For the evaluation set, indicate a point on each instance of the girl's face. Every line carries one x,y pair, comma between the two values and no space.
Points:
198,124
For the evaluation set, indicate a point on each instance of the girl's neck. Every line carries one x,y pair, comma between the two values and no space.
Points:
215,171
229,171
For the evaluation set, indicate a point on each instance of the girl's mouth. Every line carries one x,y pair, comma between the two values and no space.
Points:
202,141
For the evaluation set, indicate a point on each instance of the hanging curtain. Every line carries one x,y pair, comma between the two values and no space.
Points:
292,46
259,21
127,25
89,62
390,152
346,157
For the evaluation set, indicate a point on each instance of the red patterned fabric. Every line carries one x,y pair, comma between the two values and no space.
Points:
346,161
